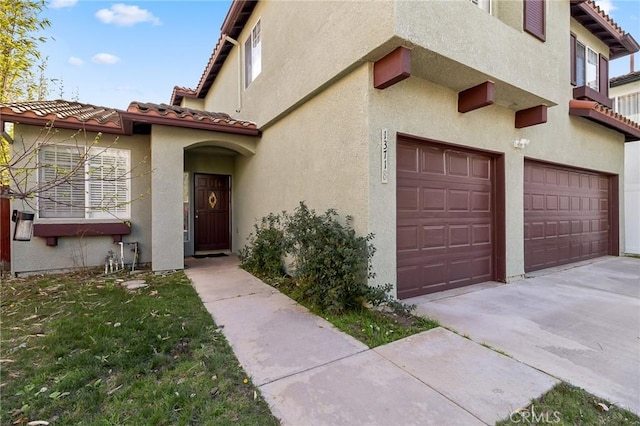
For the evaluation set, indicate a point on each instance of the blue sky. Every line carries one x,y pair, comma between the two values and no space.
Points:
112,53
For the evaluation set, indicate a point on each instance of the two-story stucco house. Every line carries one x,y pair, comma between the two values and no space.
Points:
625,92
475,139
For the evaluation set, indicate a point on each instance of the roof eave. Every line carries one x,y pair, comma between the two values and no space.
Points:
142,118
51,120
234,23
630,133
620,43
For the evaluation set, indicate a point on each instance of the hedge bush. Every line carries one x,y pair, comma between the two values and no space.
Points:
331,263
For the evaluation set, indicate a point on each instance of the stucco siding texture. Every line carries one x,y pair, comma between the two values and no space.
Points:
168,145
75,252
498,49
305,45
319,154
420,108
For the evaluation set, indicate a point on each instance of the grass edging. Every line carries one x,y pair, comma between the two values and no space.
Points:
569,405
373,327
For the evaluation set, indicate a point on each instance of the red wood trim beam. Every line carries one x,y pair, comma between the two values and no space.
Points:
476,97
531,116
51,231
392,69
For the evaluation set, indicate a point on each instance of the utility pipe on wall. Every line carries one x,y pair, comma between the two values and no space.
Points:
235,43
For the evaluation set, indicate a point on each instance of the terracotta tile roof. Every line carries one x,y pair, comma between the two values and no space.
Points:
182,92
233,24
592,4
624,79
594,19
137,119
61,109
177,112
606,116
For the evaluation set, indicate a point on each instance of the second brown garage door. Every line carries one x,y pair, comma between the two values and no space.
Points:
566,215
445,218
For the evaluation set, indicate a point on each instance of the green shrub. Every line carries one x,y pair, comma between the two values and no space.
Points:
332,264
265,249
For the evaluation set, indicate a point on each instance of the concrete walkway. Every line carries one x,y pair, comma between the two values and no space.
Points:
313,374
580,323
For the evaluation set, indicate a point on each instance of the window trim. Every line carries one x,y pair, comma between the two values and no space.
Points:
253,50
485,5
581,90
90,213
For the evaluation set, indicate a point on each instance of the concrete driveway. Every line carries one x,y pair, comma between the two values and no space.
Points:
580,324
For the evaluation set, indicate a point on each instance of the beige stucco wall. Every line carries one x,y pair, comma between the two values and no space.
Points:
321,117
72,252
305,45
488,45
319,154
423,109
167,155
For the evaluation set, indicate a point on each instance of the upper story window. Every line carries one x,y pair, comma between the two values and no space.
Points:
79,183
483,4
253,55
589,73
586,67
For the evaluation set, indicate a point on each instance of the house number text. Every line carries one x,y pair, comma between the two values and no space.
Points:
385,156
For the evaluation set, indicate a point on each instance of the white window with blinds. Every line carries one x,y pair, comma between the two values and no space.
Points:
629,106
92,184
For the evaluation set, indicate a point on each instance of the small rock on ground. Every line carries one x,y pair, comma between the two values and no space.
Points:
134,284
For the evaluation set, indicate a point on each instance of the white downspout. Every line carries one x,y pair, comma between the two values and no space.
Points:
235,43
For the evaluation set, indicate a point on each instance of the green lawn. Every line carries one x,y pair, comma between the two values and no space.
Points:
568,405
81,349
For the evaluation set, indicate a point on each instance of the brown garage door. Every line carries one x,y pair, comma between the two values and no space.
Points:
566,215
445,220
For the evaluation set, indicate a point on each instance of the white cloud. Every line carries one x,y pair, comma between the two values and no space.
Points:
606,5
75,61
126,15
59,4
105,58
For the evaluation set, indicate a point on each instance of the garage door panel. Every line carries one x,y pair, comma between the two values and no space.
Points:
481,168
455,241
408,238
408,199
458,164
480,201
433,160
408,160
573,206
434,199
433,237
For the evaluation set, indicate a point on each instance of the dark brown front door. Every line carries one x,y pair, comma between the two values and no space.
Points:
445,218
566,215
212,218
